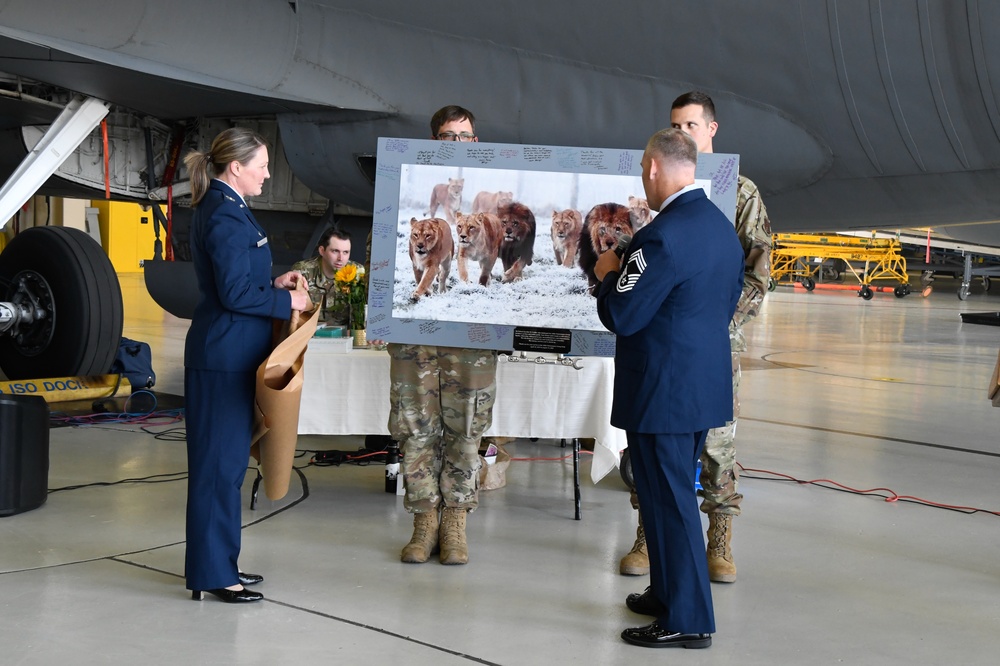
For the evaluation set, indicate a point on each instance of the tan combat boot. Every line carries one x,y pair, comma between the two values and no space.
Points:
424,541
721,568
454,549
636,561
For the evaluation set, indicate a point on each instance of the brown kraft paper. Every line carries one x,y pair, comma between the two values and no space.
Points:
276,409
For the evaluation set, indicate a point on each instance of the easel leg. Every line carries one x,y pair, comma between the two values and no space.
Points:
576,475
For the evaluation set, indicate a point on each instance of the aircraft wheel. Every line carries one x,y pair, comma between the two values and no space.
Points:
64,273
625,469
808,283
900,291
963,292
771,284
866,293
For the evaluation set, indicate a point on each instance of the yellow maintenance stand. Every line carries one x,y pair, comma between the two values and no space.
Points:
794,256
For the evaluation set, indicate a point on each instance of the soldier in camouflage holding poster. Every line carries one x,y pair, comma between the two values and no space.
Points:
441,403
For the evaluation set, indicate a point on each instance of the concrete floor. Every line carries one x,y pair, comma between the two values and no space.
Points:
885,394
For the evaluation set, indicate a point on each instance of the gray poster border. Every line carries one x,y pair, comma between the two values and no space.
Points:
393,153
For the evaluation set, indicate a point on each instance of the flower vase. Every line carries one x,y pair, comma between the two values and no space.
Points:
358,326
360,338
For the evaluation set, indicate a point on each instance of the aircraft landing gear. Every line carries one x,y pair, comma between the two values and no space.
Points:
963,291
62,305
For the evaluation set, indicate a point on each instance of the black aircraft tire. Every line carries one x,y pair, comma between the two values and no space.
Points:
87,300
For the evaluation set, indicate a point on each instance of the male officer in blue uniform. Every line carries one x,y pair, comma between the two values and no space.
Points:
670,306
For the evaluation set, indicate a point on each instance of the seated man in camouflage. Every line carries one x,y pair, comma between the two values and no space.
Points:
334,253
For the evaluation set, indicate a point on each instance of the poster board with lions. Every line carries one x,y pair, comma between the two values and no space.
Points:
473,243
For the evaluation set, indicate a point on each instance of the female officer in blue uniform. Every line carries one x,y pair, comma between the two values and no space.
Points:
230,336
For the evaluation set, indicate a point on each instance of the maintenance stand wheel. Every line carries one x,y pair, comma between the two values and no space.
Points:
900,291
866,292
771,284
808,283
963,292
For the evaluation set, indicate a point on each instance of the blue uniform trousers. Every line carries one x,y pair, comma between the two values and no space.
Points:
663,466
219,420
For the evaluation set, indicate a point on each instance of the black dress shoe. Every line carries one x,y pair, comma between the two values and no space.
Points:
250,579
655,636
229,596
645,603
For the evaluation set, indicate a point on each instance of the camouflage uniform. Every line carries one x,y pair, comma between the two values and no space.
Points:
320,286
441,403
719,476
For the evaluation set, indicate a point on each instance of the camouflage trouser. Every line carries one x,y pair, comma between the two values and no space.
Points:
719,474
442,402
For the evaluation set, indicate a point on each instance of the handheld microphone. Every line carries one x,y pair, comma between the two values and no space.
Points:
622,245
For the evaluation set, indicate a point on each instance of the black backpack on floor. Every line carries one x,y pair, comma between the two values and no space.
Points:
134,361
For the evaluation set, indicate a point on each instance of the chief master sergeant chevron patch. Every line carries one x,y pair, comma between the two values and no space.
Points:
633,270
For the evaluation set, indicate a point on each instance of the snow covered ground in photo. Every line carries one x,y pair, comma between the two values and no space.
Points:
549,296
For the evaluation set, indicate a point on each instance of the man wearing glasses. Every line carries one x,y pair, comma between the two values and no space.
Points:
441,403
453,123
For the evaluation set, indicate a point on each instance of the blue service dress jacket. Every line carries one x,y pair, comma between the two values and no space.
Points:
673,368
231,327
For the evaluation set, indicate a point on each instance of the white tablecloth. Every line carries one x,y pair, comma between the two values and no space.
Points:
348,394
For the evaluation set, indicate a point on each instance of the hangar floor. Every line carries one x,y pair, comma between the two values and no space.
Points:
887,394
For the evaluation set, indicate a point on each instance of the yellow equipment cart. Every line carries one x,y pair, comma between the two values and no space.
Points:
799,257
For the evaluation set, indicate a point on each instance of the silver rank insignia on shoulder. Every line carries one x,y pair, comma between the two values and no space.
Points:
633,270
242,204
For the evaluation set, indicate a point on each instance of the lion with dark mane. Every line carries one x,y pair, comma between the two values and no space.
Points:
518,246
603,226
